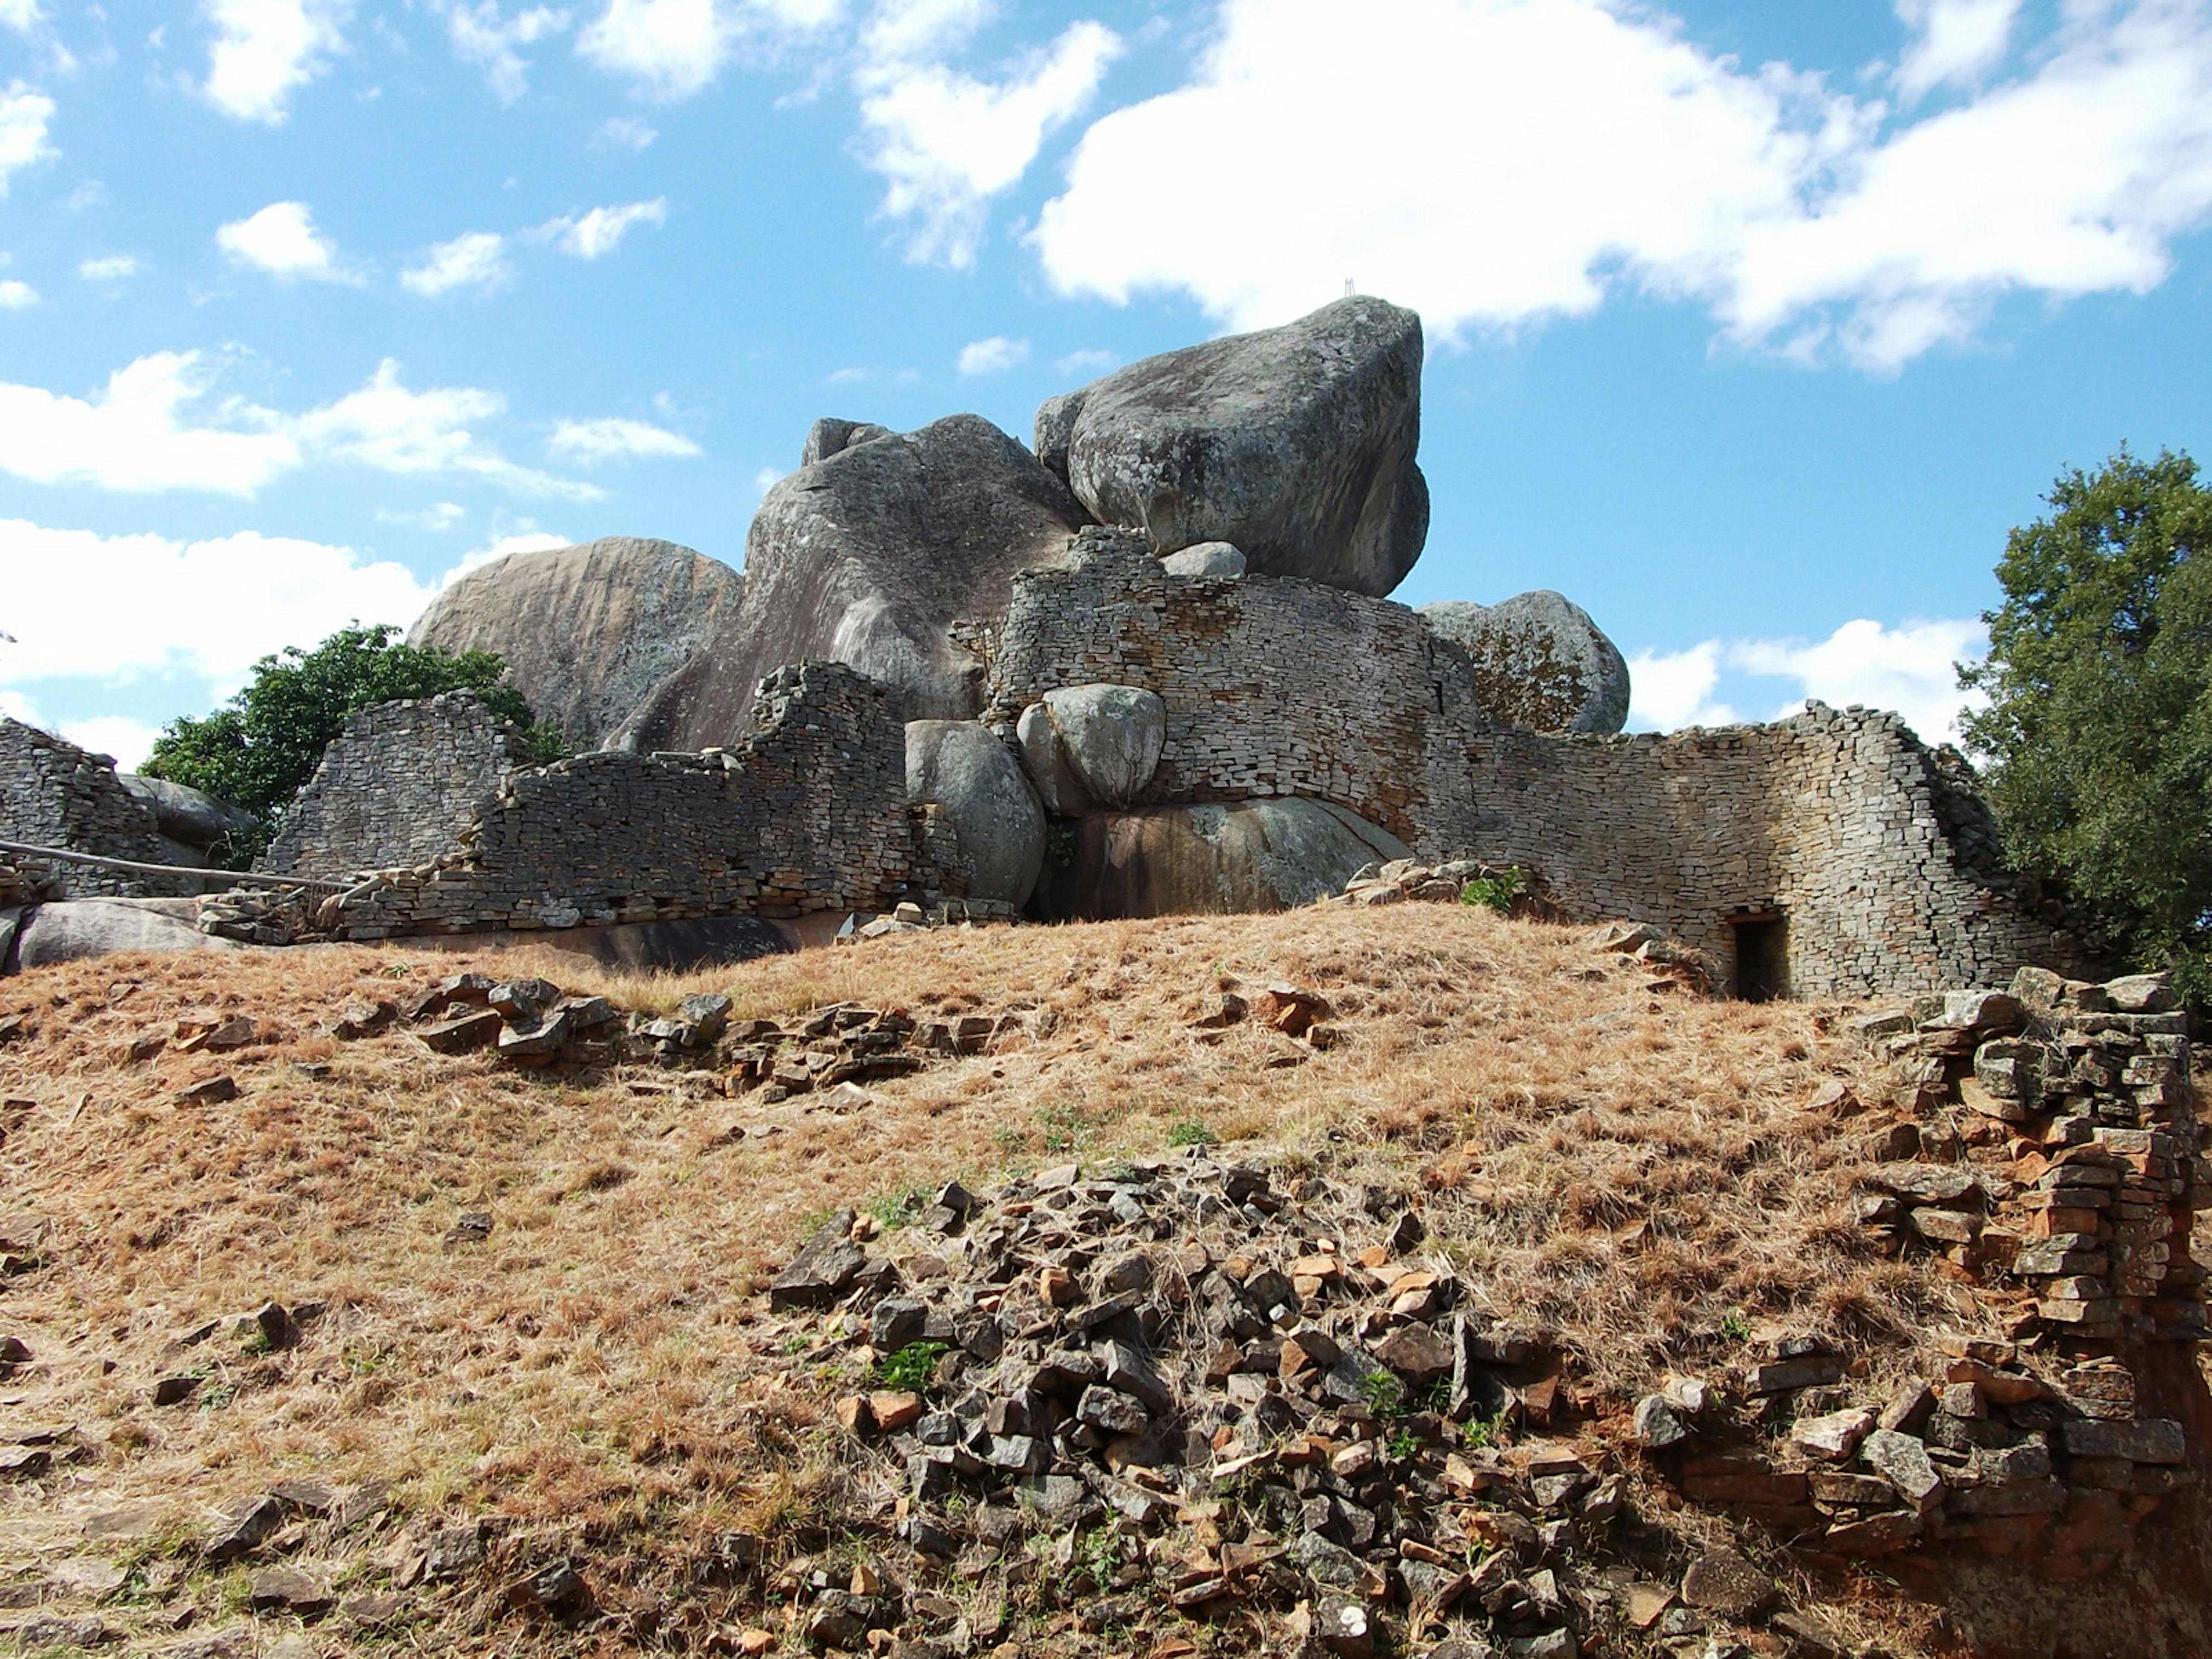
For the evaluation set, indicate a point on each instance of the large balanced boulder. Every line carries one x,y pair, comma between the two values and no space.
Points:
1295,444
586,631
893,554
1248,855
963,768
1540,662
193,823
1092,745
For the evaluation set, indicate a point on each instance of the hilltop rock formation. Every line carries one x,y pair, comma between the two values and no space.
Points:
1297,444
588,630
890,554
831,436
1540,662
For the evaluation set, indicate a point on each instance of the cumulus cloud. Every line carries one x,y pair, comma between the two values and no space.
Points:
1909,668
386,426
1572,148
282,240
482,36
128,742
1671,690
17,296
1959,41
476,259
615,440
110,268
24,115
992,355
206,609
670,49
21,15
160,424
624,132
589,235
1087,362
948,141
264,50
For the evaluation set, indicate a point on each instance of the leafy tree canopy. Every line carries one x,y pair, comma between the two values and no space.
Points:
258,748
2099,730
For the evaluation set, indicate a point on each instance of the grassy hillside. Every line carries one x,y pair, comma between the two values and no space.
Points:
1654,1180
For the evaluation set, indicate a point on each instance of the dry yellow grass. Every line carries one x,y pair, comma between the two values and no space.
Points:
1632,1169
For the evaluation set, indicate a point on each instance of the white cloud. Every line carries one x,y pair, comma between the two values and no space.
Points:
264,50
946,141
133,435
17,296
21,15
1571,148
1674,688
207,609
24,114
159,425
282,240
386,426
1958,40
1087,363
624,132
127,741
476,259
766,479
670,49
614,439
1908,668
481,36
439,516
112,268
994,356
589,235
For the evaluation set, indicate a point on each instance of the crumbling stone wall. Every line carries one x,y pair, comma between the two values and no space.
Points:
1872,848
398,786
53,794
808,814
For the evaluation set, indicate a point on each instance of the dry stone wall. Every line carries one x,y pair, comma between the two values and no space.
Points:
397,787
808,814
1871,849
53,794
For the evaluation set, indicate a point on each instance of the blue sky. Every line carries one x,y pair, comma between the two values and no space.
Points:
1752,327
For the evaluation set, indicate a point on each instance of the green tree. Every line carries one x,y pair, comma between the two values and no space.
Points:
258,748
2099,730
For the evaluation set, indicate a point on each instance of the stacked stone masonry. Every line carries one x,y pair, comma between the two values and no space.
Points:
400,786
1860,839
53,794
808,814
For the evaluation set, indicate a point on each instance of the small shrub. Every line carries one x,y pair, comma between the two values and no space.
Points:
1193,1131
1383,1392
893,1211
1496,892
1063,1127
912,1368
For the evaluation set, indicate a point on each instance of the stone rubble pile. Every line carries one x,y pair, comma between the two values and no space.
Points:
1197,1394
531,1023
2050,1148
26,881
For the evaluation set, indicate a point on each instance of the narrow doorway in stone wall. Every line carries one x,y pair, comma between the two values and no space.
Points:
1762,955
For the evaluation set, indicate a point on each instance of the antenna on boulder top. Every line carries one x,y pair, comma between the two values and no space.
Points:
1348,289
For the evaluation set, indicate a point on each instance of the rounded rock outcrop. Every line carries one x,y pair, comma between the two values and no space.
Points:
1207,559
1092,745
586,631
1540,662
888,555
1295,444
963,768
1235,856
